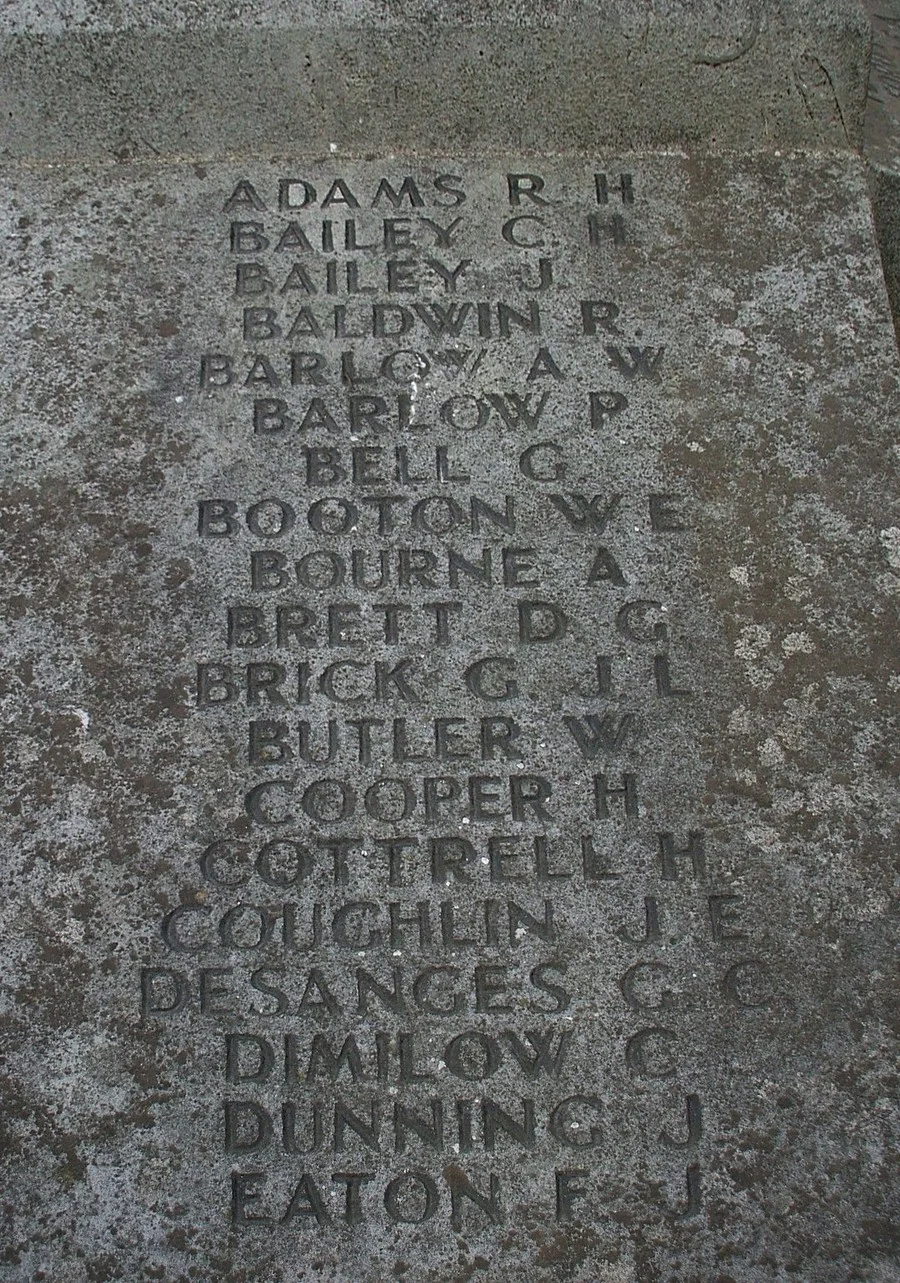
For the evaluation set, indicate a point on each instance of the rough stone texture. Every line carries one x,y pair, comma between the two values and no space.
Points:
882,140
765,420
133,79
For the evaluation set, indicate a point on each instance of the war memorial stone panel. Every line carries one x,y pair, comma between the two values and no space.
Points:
448,700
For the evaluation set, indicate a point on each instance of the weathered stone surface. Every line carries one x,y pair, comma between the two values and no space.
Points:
882,140
701,364
135,78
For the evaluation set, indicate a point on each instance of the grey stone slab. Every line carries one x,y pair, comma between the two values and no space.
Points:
883,108
628,423
882,139
134,79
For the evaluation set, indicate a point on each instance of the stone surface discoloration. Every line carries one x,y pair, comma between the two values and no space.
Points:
132,80
882,139
765,423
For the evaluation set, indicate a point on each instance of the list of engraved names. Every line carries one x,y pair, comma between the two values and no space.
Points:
457,918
